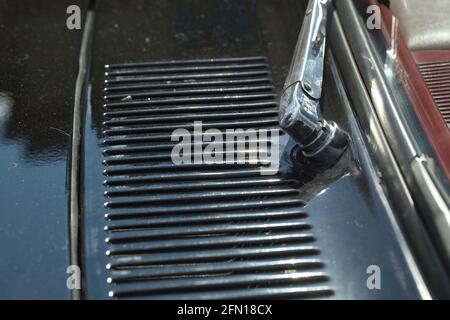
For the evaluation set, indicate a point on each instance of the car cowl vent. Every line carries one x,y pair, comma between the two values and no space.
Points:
199,231
437,78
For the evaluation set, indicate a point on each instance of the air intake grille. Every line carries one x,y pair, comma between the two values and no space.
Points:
437,78
199,231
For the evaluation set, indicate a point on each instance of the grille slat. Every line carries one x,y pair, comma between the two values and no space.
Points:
437,78
124,121
178,85
204,218
157,233
238,266
202,185
191,92
235,229
187,62
170,245
121,150
433,66
254,124
292,292
209,174
183,69
185,109
188,77
124,158
198,196
132,170
197,99
218,282
199,256
185,209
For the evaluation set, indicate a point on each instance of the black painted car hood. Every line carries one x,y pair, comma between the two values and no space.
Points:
38,67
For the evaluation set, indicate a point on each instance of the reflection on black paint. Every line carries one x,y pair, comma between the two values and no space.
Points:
6,105
37,54
38,68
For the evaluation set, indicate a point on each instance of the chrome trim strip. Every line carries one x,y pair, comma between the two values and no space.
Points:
369,167
385,154
79,102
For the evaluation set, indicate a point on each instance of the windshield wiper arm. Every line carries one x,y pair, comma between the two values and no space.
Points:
320,141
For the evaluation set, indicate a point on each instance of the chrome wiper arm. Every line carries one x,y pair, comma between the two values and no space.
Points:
307,65
300,114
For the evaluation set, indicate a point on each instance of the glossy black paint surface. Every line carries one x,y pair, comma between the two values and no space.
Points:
350,216
38,67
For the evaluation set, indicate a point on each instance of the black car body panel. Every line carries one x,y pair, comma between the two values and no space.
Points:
354,216
39,63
